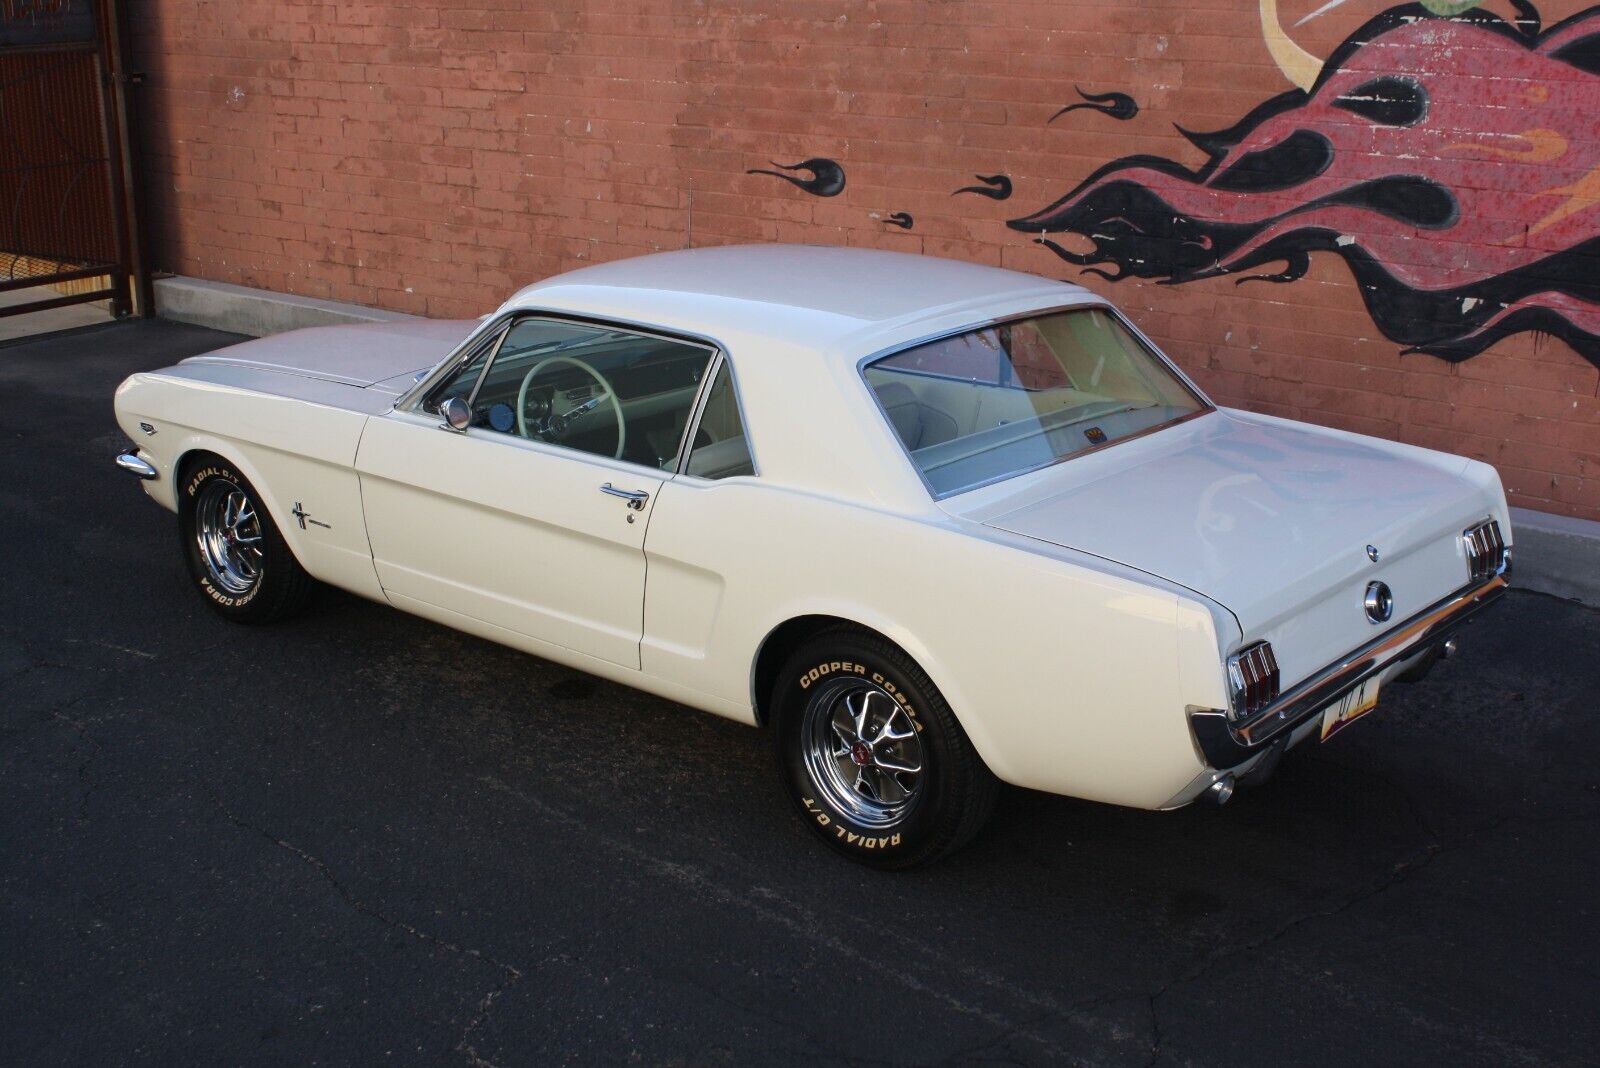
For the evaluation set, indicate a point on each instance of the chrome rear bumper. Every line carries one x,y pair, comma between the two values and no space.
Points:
1227,745
131,462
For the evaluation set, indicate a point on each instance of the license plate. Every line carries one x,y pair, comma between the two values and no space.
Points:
1349,708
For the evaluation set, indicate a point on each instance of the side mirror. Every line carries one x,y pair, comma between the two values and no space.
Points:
457,416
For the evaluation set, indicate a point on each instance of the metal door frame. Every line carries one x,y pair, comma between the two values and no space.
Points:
129,289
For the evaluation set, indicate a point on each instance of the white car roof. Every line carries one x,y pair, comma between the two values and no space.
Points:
848,300
795,320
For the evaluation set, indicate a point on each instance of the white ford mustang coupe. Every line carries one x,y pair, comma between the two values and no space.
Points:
935,526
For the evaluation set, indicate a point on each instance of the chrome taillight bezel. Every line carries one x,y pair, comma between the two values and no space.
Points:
1485,549
1253,682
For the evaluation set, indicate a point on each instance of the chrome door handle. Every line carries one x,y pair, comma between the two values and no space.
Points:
635,498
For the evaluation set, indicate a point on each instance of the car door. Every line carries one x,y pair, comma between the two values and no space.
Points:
532,517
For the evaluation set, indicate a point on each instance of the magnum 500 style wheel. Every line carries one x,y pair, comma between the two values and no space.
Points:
235,553
872,755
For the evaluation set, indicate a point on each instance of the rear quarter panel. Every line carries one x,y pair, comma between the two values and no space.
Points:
1066,679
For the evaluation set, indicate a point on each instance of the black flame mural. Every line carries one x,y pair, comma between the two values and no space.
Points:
1467,205
826,177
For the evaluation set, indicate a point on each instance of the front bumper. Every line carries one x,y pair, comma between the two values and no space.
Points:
131,462
1225,745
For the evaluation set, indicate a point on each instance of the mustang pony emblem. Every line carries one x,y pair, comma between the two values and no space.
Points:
305,517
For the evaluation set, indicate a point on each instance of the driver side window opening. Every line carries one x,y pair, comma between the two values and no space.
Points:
591,388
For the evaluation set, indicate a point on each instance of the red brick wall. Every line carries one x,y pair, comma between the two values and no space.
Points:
431,157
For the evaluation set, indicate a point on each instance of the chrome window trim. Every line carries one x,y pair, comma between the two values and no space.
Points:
1206,404
692,423
503,323
723,360
492,345
452,362
469,348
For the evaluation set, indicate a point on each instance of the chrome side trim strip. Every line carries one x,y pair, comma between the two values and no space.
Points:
1233,744
135,464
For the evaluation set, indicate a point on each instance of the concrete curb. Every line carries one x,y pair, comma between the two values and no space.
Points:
257,312
1556,554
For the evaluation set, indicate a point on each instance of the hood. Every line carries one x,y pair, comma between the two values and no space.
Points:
1264,516
363,354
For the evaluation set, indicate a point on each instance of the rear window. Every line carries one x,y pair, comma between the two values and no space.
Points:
988,404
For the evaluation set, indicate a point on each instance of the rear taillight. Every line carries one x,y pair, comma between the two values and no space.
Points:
1486,550
1253,677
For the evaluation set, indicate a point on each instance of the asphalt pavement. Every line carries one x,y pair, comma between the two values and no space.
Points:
359,837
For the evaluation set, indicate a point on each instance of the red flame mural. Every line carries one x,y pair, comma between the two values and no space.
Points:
1453,162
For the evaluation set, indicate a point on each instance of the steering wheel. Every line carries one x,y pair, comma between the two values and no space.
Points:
560,423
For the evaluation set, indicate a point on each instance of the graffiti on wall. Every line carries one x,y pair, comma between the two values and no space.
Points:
1118,105
993,186
1450,156
1467,206
824,177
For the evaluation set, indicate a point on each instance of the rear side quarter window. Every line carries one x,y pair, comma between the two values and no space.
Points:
720,448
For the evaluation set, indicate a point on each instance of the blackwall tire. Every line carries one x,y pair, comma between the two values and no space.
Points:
237,558
872,756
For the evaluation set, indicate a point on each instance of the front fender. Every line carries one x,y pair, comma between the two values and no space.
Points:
298,456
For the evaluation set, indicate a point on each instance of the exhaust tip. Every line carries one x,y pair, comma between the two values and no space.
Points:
1449,648
1222,789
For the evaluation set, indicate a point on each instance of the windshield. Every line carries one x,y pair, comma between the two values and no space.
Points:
992,403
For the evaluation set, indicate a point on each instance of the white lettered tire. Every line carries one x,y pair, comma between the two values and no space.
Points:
871,754
236,555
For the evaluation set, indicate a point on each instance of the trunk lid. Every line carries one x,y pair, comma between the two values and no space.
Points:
1270,519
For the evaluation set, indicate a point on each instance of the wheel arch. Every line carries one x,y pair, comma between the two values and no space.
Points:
783,639
196,451
190,456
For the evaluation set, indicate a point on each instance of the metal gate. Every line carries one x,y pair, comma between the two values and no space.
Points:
66,226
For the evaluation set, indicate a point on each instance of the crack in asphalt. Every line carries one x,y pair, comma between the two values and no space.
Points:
58,709
1402,871
1076,1012
1000,1044
1434,846
512,974
58,712
86,785
819,1040
1155,1031
798,921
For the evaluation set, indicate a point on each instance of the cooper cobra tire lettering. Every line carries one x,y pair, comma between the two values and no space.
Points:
829,668
956,792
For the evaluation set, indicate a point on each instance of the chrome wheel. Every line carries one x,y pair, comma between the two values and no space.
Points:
862,751
229,535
